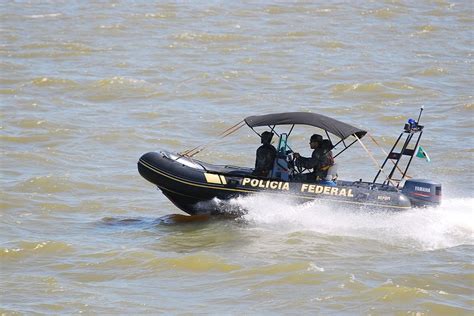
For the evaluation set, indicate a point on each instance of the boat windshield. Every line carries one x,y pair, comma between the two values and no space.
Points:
282,144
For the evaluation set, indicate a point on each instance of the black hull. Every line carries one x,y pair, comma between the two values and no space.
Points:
196,187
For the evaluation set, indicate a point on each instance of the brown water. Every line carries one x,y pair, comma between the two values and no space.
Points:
87,87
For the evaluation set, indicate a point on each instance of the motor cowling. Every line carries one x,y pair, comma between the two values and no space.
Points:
422,192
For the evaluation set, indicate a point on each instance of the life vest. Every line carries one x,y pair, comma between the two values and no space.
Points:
329,162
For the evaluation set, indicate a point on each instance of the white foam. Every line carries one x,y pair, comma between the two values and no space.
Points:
40,16
448,225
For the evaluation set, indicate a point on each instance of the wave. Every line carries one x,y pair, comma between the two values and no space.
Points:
26,249
208,37
433,72
120,87
42,16
53,184
373,87
45,81
383,13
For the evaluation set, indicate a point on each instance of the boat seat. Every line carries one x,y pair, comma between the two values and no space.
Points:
332,173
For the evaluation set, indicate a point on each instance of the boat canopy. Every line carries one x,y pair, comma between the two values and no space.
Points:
335,127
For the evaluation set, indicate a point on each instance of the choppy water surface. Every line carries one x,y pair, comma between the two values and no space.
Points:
87,87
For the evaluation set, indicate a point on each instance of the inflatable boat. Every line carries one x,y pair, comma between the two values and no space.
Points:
197,187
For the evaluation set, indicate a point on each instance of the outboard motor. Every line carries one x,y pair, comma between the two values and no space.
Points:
422,192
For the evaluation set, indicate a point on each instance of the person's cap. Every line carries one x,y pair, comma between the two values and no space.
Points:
316,138
266,137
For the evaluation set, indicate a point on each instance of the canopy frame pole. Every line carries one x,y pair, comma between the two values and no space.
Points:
255,131
278,135
272,129
385,153
345,146
386,159
376,163
291,129
329,137
275,132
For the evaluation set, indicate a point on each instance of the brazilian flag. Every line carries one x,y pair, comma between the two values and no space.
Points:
421,153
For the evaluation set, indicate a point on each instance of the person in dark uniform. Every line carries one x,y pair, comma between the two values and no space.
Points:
328,160
320,160
265,156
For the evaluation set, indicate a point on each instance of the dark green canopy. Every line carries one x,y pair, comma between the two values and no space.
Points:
338,128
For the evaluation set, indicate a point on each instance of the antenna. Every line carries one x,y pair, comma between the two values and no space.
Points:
421,111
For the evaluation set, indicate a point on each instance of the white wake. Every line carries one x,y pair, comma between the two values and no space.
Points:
448,225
